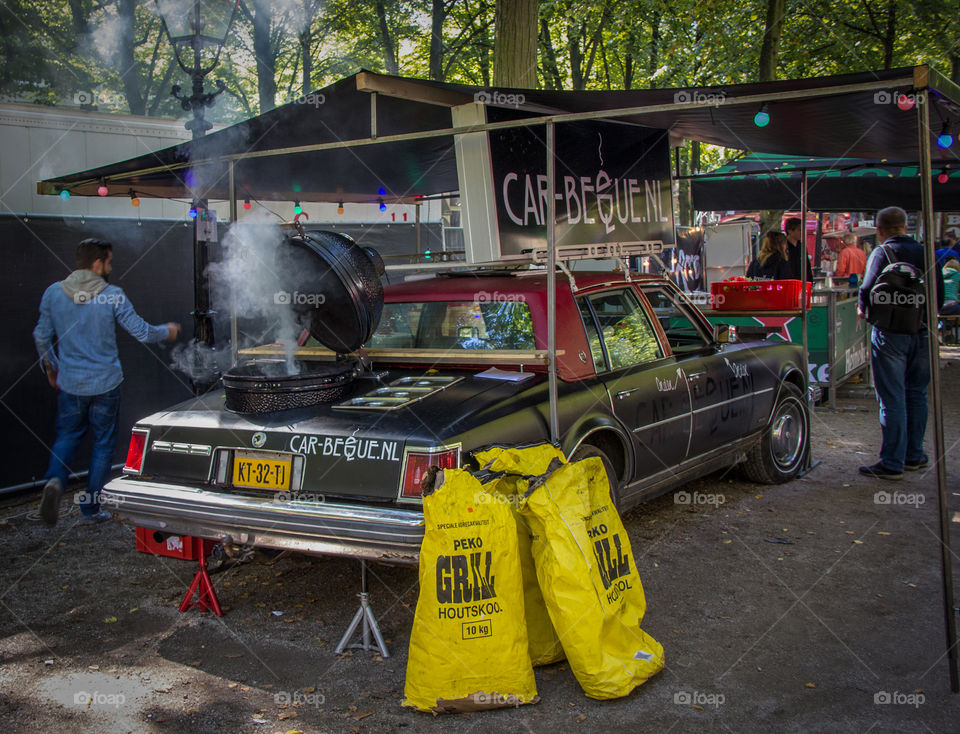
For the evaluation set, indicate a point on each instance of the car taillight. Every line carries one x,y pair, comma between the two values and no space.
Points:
418,461
138,443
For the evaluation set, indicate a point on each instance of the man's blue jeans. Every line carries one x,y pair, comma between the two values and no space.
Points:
901,371
75,414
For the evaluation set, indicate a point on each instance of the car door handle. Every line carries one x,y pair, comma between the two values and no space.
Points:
625,393
696,375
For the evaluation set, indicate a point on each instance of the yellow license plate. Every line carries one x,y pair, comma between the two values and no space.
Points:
258,472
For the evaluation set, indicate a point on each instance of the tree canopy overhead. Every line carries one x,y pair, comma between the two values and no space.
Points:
112,53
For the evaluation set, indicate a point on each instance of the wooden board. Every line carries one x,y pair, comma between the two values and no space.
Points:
414,356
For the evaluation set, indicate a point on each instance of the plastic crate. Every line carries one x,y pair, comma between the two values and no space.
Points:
171,546
758,295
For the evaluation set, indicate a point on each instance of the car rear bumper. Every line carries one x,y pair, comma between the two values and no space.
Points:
325,528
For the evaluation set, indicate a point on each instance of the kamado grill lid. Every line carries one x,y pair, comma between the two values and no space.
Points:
334,286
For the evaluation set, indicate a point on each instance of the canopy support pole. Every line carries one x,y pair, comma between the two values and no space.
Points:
234,326
804,280
936,408
552,285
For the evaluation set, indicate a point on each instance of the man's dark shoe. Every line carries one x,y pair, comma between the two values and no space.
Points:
50,502
916,465
94,519
879,471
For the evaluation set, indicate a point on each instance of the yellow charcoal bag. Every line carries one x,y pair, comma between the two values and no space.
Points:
589,579
468,646
545,647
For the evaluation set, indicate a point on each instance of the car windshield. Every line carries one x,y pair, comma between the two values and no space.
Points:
492,324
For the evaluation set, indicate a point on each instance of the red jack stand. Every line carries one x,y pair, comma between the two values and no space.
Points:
207,598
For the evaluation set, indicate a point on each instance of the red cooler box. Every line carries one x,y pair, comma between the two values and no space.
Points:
757,295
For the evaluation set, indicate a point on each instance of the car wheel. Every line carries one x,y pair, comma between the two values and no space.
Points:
585,451
781,453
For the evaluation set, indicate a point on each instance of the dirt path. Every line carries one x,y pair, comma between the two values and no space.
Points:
809,607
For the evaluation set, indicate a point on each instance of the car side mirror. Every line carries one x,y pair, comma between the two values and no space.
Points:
721,333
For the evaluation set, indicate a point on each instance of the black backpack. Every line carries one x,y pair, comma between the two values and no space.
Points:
897,299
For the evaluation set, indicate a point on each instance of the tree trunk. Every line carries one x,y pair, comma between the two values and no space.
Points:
390,62
772,32
126,10
305,41
576,55
266,58
437,16
551,73
890,36
653,62
515,43
955,67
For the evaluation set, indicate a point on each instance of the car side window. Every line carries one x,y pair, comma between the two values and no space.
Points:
673,312
593,336
626,331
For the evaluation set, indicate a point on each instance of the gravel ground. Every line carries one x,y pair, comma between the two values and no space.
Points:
813,606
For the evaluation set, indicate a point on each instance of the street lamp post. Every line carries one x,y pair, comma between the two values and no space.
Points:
197,39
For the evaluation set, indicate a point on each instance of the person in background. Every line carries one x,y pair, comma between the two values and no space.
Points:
900,362
81,313
796,249
951,288
947,251
771,261
852,260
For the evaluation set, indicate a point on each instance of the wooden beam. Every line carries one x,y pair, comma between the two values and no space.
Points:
409,89
482,357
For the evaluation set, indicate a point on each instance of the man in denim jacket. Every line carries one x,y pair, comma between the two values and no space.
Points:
80,313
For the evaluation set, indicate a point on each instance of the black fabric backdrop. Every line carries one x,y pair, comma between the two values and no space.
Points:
151,262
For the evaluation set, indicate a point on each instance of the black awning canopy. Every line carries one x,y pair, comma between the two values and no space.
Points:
759,181
851,115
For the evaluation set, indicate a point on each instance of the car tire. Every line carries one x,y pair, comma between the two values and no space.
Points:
781,453
585,451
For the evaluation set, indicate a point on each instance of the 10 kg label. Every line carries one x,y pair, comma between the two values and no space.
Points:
475,630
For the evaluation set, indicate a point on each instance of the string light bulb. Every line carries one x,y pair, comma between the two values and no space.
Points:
945,139
246,204
383,207
193,212
134,199
762,118
340,207
943,177
102,189
297,209
64,194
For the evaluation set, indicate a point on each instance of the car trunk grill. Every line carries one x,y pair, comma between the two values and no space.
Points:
400,393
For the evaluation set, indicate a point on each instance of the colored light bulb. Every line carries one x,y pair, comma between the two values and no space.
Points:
102,190
64,195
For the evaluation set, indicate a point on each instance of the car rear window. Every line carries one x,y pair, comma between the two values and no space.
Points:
490,324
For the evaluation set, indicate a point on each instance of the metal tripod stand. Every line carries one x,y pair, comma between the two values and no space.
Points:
364,613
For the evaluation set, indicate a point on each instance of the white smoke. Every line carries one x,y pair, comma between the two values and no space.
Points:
248,282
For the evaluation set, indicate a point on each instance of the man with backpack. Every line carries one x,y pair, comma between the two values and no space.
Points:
893,300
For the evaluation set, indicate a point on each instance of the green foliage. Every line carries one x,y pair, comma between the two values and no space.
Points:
58,52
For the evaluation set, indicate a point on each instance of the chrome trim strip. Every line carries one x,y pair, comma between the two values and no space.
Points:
703,409
194,449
